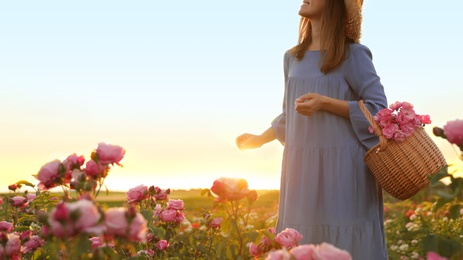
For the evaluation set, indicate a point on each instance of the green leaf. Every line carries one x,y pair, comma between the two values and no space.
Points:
38,253
442,173
204,191
25,183
27,218
445,195
454,211
22,228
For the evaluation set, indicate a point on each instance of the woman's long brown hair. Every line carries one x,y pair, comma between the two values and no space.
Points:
333,39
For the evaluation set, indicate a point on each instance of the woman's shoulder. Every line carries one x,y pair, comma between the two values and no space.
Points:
289,53
358,48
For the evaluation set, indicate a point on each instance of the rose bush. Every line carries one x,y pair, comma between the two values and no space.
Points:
150,225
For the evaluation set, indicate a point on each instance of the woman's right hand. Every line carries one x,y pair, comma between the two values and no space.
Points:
248,141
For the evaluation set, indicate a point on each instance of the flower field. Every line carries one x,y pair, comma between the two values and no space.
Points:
227,221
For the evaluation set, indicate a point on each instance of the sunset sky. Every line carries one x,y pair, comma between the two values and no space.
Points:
174,82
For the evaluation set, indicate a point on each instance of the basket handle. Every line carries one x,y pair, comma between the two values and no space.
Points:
376,128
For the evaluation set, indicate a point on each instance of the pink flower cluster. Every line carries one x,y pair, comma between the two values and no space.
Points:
399,121
142,192
171,214
265,244
125,223
232,189
323,251
13,245
69,219
56,172
287,244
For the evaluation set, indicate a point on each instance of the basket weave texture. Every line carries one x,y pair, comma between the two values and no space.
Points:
402,168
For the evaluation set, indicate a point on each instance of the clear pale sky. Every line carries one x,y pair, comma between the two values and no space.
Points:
174,82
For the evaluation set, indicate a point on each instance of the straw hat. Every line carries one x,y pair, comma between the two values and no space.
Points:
354,19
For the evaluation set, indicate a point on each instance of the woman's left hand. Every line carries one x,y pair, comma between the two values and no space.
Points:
309,103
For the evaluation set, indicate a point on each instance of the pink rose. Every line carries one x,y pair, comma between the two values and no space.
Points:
109,154
31,244
408,113
72,218
215,222
161,194
168,215
137,194
179,217
48,174
396,105
18,201
175,204
230,188
96,242
328,251
278,255
425,119
434,256
89,216
6,226
406,105
399,136
272,230
94,169
254,250
390,130
25,235
157,211
138,228
13,245
73,161
1,201
162,245
30,197
288,238
116,222
303,252
453,131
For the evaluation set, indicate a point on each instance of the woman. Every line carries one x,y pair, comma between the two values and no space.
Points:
327,192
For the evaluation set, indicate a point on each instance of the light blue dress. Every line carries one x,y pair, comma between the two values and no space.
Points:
327,192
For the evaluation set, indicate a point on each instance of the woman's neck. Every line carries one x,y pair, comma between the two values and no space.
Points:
315,30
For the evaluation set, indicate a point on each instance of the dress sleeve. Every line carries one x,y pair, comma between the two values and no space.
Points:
365,83
279,123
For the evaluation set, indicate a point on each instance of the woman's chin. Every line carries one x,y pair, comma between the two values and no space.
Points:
303,13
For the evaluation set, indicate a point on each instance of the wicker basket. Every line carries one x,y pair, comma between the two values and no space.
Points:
402,168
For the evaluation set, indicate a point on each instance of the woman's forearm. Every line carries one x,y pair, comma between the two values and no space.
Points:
267,136
336,106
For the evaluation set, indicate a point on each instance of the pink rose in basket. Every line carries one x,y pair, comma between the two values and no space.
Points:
399,121
453,131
